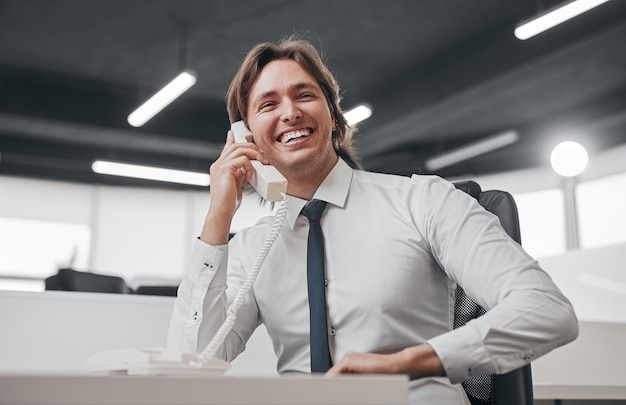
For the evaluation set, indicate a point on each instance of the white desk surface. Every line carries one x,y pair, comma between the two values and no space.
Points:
134,390
583,391
591,367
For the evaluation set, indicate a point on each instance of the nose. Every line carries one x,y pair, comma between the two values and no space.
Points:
290,111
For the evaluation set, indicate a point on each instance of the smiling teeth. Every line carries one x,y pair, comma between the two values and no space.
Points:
294,135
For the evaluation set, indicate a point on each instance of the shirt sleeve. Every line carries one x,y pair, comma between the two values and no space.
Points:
204,294
527,315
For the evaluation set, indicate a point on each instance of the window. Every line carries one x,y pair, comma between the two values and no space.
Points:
37,249
542,222
601,213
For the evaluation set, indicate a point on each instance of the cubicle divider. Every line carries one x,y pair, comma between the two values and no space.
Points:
56,331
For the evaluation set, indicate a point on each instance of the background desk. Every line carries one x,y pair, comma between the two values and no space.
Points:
590,369
101,390
54,333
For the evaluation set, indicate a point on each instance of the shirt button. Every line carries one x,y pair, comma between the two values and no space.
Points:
332,331
325,282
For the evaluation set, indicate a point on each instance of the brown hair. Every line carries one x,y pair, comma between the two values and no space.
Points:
304,53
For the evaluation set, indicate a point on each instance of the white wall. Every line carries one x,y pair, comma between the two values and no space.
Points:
139,231
47,200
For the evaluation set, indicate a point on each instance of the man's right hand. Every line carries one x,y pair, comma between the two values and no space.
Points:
228,174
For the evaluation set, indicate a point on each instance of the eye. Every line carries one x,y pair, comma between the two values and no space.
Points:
266,105
305,96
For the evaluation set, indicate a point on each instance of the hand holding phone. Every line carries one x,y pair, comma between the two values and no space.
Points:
166,361
266,180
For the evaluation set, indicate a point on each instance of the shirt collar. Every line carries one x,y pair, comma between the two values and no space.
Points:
334,190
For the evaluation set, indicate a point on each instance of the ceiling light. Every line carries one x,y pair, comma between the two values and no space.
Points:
554,17
150,173
357,114
472,150
569,159
162,98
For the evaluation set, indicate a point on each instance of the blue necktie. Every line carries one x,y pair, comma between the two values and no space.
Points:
320,353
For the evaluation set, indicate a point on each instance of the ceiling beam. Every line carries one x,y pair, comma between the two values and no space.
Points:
95,136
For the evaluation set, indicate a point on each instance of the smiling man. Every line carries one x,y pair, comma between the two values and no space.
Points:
394,250
292,124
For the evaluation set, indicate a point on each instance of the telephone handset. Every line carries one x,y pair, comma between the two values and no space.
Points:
266,180
164,361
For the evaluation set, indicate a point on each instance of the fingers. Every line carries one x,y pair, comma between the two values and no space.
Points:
235,158
363,363
351,363
248,149
230,170
336,370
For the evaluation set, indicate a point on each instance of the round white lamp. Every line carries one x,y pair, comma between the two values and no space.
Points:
569,159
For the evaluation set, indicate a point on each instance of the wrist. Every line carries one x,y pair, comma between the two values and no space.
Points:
421,361
216,229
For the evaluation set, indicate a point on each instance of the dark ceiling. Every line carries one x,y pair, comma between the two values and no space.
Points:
438,74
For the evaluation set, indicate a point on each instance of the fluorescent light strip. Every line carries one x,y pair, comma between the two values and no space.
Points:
162,98
358,113
150,173
554,17
472,150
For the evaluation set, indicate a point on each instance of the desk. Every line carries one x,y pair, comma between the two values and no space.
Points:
578,392
580,395
125,390
591,367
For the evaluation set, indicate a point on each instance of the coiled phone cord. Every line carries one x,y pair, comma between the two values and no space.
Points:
231,313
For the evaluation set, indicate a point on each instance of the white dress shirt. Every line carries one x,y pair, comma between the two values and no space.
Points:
395,249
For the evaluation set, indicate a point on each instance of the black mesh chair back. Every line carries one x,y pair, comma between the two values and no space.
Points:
515,387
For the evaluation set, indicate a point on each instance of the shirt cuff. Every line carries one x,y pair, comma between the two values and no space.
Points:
204,263
462,354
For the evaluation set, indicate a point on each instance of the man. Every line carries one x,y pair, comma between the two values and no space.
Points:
395,248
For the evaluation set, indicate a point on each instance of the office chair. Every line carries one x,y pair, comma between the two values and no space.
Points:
515,387
74,280
163,290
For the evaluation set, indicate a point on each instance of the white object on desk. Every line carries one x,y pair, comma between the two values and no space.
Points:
154,361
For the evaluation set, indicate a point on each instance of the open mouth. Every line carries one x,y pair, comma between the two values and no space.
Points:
294,135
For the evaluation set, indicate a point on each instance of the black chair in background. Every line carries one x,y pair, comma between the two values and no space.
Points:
74,280
162,290
515,387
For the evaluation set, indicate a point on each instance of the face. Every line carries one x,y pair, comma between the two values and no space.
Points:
291,121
